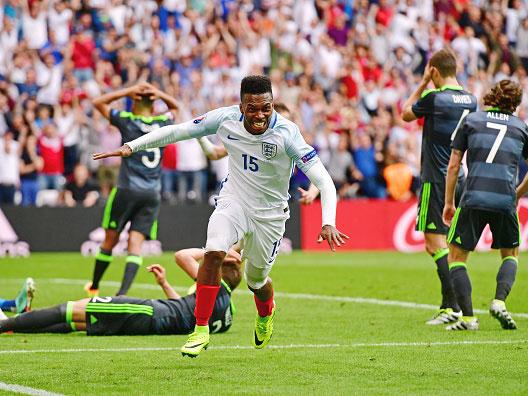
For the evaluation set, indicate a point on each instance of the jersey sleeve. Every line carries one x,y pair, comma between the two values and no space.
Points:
424,106
116,119
461,138
208,123
302,154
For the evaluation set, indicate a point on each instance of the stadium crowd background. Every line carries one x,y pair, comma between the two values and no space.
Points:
343,67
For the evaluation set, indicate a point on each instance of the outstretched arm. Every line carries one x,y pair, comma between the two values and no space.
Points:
319,176
159,273
201,126
451,180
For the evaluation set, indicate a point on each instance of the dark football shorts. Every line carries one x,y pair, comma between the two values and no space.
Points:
431,206
119,315
468,224
141,208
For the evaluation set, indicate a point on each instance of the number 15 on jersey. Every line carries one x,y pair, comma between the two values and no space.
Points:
250,163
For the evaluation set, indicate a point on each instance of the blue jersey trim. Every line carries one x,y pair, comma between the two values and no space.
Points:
273,119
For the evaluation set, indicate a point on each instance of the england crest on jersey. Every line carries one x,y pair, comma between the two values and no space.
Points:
269,150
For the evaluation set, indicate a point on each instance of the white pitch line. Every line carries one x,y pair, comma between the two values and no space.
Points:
297,296
288,346
26,390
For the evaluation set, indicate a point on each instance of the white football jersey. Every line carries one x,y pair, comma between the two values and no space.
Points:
260,166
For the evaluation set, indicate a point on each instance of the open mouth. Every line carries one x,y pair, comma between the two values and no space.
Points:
259,125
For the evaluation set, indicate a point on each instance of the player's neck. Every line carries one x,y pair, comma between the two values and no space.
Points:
142,112
452,81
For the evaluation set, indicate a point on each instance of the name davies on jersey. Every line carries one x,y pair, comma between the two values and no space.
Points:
498,116
461,99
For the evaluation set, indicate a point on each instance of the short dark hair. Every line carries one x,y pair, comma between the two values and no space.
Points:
445,62
506,95
255,85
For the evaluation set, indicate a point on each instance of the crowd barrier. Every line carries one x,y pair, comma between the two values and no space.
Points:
384,225
371,225
79,229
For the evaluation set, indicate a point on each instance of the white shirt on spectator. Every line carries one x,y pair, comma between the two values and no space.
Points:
50,80
60,24
35,30
304,13
118,16
9,171
175,5
8,44
190,156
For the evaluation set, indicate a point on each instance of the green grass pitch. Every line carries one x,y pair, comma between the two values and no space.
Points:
321,345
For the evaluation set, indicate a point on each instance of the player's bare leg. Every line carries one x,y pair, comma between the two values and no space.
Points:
102,261
134,260
505,280
207,287
265,314
436,246
458,271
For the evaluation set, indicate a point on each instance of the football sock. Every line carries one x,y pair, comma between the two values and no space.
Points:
35,320
102,261
442,268
264,308
7,305
506,277
58,328
462,285
133,263
205,301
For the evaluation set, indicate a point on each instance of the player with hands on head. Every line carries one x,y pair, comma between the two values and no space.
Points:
495,142
252,204
136,199
443,110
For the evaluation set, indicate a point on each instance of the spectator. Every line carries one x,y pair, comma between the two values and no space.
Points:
51,150
366,162
192,176
30,165
9,174
80,191
169,173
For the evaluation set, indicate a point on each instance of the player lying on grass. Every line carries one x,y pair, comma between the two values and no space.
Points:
495,142
22,302
252,205
105,316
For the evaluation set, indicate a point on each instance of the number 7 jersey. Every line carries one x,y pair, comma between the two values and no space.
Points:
495,142
260,166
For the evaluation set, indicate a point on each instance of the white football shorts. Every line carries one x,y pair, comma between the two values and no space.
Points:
230,223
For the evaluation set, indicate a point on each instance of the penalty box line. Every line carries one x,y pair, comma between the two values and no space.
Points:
298,296
288,346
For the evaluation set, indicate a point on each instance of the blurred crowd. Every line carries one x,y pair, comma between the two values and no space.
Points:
343,68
